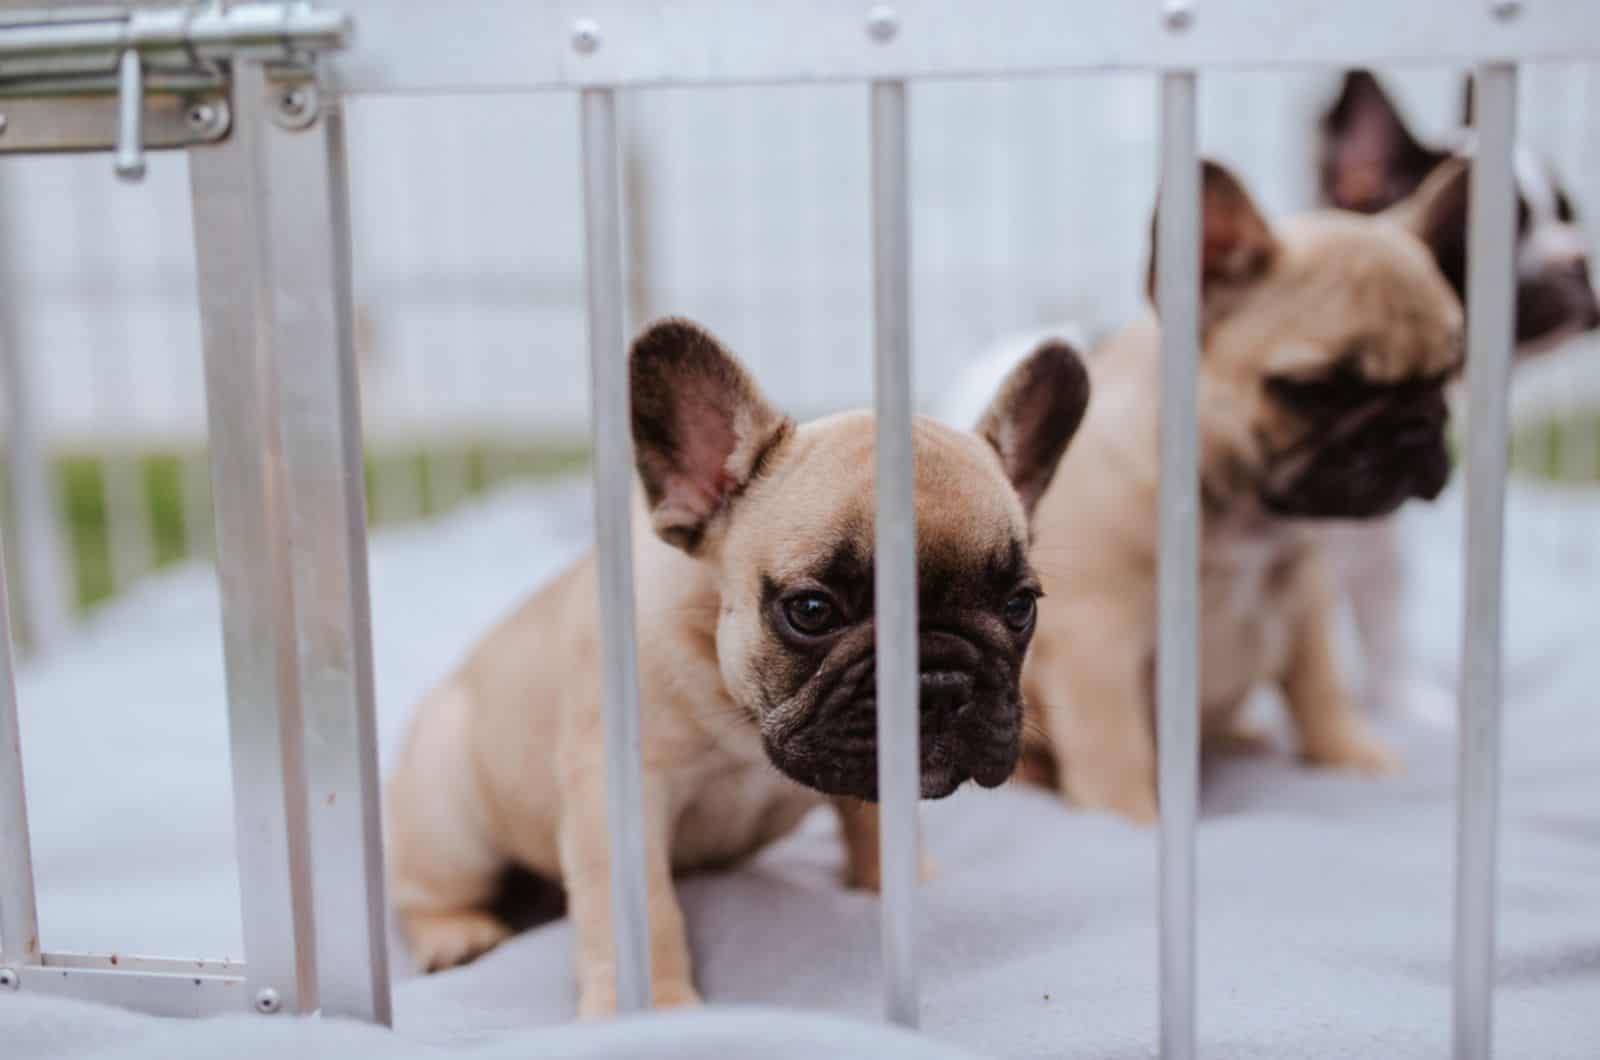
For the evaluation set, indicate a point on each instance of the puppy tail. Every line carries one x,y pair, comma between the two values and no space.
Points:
963,402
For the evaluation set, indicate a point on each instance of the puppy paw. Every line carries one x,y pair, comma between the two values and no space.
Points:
1356,752
445,939
597,998
869,877
675,993
1135,802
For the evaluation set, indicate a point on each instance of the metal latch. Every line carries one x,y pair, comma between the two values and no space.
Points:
133,79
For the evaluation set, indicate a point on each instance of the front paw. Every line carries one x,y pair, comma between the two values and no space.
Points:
1133,798
869,878
441,940
597,997
675,993
1354,751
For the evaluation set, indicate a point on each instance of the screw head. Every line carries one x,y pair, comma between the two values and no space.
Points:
267,1001
200,116
585,36
1506,8
296,106
9,980
882,23
1178,14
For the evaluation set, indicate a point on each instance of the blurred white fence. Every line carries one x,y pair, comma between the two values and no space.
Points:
746,210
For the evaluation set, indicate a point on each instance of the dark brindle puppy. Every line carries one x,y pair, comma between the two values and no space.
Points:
755,615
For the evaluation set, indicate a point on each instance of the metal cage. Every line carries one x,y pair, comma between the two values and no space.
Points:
252,92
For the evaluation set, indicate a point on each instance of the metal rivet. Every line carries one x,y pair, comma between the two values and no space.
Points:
267,1001
201,116
1178,14
1506,8
882,23
9,979
296,106
585,36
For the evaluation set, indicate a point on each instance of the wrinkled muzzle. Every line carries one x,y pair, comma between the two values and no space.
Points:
969,714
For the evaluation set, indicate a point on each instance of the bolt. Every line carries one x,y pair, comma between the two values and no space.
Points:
9,980
267,1001
585,36
882,23
1506,8
295,101
201,116
1178,14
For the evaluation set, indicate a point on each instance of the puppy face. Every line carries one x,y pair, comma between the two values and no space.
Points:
1326,346
1371,163
784,516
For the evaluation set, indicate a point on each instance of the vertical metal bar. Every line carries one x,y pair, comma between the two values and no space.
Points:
613,499
1178,590
19,919
313,354
235,257
45,583
899,765
41,563
1490,308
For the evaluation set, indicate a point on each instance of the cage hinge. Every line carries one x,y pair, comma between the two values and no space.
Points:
133,79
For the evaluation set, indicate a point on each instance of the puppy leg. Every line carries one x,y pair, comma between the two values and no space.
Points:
585,868
1375,580
1093,701
443,868
1332,731
859,827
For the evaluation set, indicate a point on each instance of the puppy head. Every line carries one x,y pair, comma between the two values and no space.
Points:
1326,343
784,517
1371,162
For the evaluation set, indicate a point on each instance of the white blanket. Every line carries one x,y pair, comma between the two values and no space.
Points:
1325,900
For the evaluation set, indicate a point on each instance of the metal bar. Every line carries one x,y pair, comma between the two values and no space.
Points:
89,123
613,498
1490,308
314,358
518,45
1178,227
19,915
262,31
192,994
128,161
41,563
895,553
234,255
110,962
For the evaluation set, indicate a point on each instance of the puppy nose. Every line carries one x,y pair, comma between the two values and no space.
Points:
945,692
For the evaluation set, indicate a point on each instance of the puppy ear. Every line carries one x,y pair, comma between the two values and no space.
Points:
1369,158
1236,243
701,428
1035,414
1436,213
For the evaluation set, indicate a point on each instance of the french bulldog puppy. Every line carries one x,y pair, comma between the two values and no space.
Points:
756,658
1373,163
1325,347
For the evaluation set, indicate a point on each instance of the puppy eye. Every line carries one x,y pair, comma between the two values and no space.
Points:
1020,610
811,614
